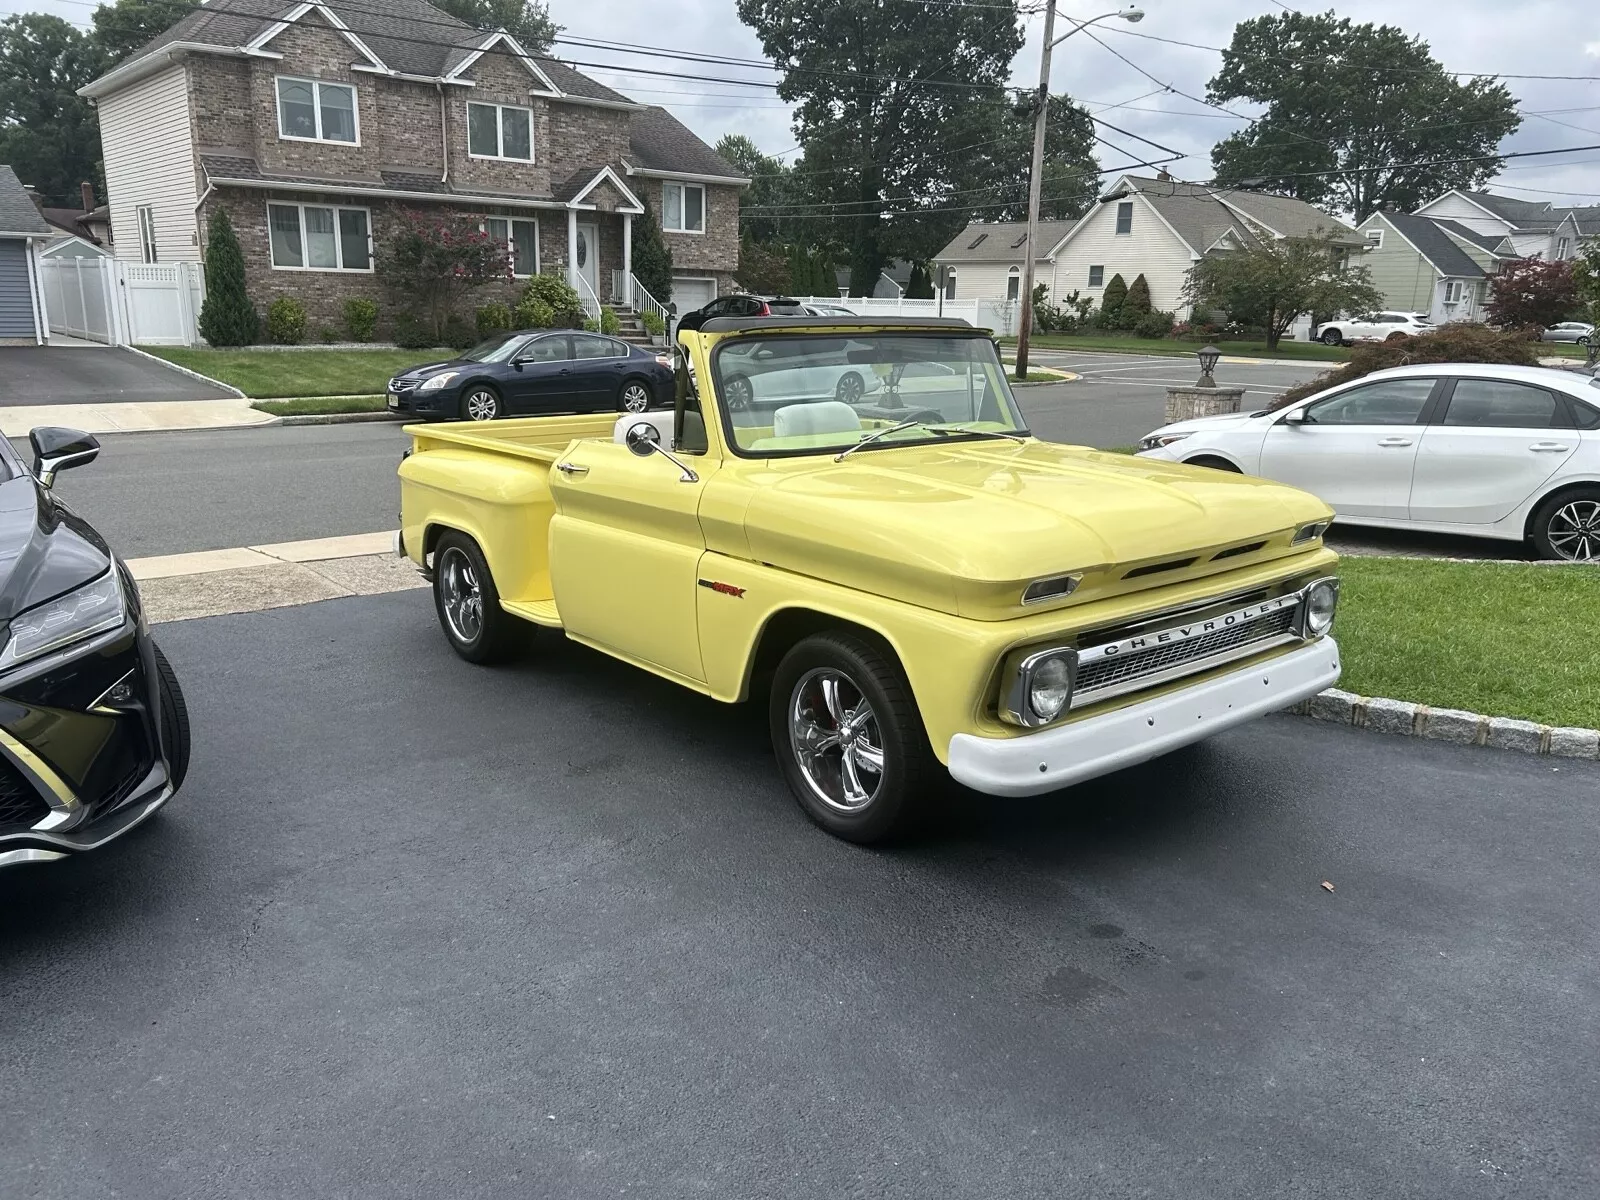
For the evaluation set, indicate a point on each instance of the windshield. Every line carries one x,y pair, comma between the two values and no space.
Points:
814,394
497,349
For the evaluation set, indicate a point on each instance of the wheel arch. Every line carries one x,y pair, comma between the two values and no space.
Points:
786,627
1200,460
1560,489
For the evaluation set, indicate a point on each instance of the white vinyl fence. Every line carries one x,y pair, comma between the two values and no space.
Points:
103,300
998,315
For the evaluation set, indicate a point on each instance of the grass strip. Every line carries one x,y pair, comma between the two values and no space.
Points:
293,374
1506,639
321,405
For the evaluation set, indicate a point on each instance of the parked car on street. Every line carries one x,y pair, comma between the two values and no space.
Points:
535,371
1378,327
94,733
830,310
909,593
1580,332
1467,448
742,305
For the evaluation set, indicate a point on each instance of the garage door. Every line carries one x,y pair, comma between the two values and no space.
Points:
690,294
16,296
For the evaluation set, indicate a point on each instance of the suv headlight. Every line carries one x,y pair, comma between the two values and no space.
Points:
438,381
93,608
1157,440
1041,687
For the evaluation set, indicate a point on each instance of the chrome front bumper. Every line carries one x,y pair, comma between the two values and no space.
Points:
1066,754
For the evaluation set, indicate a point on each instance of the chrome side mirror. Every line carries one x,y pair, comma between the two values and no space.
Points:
644,439
56,449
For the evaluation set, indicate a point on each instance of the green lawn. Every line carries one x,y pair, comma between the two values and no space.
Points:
1165,346
1507,639
322,404
267,374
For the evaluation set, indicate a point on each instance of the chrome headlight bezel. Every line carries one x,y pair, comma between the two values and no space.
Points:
96,607
1018,706
1319,605
436,382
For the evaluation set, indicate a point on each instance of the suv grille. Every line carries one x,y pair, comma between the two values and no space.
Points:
21,807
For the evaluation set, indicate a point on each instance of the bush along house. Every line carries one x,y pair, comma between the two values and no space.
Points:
316,125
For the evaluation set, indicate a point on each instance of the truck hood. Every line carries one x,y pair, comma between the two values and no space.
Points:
964,528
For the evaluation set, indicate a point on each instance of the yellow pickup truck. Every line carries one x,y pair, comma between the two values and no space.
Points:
848,519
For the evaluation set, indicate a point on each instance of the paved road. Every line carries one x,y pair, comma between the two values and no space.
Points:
92,375
420,929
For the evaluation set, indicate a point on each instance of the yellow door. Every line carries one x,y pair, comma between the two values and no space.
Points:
625,544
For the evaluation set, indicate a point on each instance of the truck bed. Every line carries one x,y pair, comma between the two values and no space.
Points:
540,439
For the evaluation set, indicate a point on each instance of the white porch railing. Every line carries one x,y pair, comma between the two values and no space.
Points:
644,302
587,298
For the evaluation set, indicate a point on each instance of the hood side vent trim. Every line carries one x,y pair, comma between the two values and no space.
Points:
1251,548
1176,564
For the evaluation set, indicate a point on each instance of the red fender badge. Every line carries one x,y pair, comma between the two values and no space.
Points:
727,589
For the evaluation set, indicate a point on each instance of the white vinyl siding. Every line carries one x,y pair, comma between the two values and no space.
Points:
1151,249
1457,208
149,160
992,280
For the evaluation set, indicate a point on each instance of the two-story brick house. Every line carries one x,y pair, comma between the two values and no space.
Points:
314,123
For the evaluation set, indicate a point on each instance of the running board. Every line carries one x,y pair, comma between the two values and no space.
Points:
540,612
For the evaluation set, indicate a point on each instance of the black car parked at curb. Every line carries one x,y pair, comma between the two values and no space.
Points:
536,371
94,734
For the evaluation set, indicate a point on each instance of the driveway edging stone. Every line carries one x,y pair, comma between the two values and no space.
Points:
1404,719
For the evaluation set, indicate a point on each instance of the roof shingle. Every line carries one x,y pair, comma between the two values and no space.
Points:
1434,244
18,213
658,141
1000,241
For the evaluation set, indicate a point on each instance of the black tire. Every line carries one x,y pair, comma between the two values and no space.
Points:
477,628
1397,336
859,671
1331,337
850,388
174,720
1566,527
634,390
481,402
1216,464
739,394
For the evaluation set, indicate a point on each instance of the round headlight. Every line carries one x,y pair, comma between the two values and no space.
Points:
1050,688
1322,598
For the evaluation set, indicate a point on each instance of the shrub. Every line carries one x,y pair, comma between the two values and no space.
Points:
410,333
360,319
327,334
1111,303
286,321
227,318
1457,342
590,325
534,313
457,334
652,257
609,323
554,291
653,323
1137,304
491,319
1155,324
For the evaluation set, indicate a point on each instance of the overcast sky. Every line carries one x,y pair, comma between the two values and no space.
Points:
1531,37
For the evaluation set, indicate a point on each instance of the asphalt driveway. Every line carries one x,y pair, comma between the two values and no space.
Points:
421,929
32,375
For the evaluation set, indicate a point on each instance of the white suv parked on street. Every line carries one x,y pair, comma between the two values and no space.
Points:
1378,327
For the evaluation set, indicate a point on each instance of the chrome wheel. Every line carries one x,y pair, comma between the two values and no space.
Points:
482,405
740,393
849,388
1574,531
635,398
836,740
460,595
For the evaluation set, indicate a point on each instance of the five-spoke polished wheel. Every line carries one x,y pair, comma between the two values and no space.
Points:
848,736
1568,527
468,604
634,397
480,404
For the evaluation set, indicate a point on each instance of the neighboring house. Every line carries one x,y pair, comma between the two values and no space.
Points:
891,283
1438,268
23,233
984,261
1517,228
312,124
80,232
1159,228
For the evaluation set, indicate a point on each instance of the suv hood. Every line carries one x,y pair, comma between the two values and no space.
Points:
45,550
965,528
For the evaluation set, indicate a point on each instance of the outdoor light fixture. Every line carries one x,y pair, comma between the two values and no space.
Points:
1208,356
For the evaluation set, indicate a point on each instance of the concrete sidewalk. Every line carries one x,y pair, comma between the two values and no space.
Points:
150,416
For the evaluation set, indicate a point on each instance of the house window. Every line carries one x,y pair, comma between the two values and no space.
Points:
1374,239
1125,217
316,237
311,111
500,131
1452,291
1562,246
522,237
949,285
1013,284
1097,276
147,233
683,208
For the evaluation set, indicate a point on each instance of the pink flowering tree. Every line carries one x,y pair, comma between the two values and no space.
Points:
433,261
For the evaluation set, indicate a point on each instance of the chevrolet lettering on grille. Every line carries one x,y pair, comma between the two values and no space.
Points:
1181,633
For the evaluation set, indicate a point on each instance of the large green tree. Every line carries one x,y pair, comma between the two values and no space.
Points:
1071,176
887,95
127,25
762,207
47,134
526,20
1272,283
1353,100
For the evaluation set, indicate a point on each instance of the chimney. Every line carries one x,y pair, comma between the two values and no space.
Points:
86,190
1164,176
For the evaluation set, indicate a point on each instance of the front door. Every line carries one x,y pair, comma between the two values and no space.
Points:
589,257
625,546
1356,449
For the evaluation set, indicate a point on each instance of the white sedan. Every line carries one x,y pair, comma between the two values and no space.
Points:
1379,327
1465,448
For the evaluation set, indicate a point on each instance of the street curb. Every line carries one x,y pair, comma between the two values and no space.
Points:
354,418
1061,377
156,358
1404,719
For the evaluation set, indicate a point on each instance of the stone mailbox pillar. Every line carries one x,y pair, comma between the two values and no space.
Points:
1184,403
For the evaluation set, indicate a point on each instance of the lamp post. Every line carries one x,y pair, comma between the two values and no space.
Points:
1208,356
1025,320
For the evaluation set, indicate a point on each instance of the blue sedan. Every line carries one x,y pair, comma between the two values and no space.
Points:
536,371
